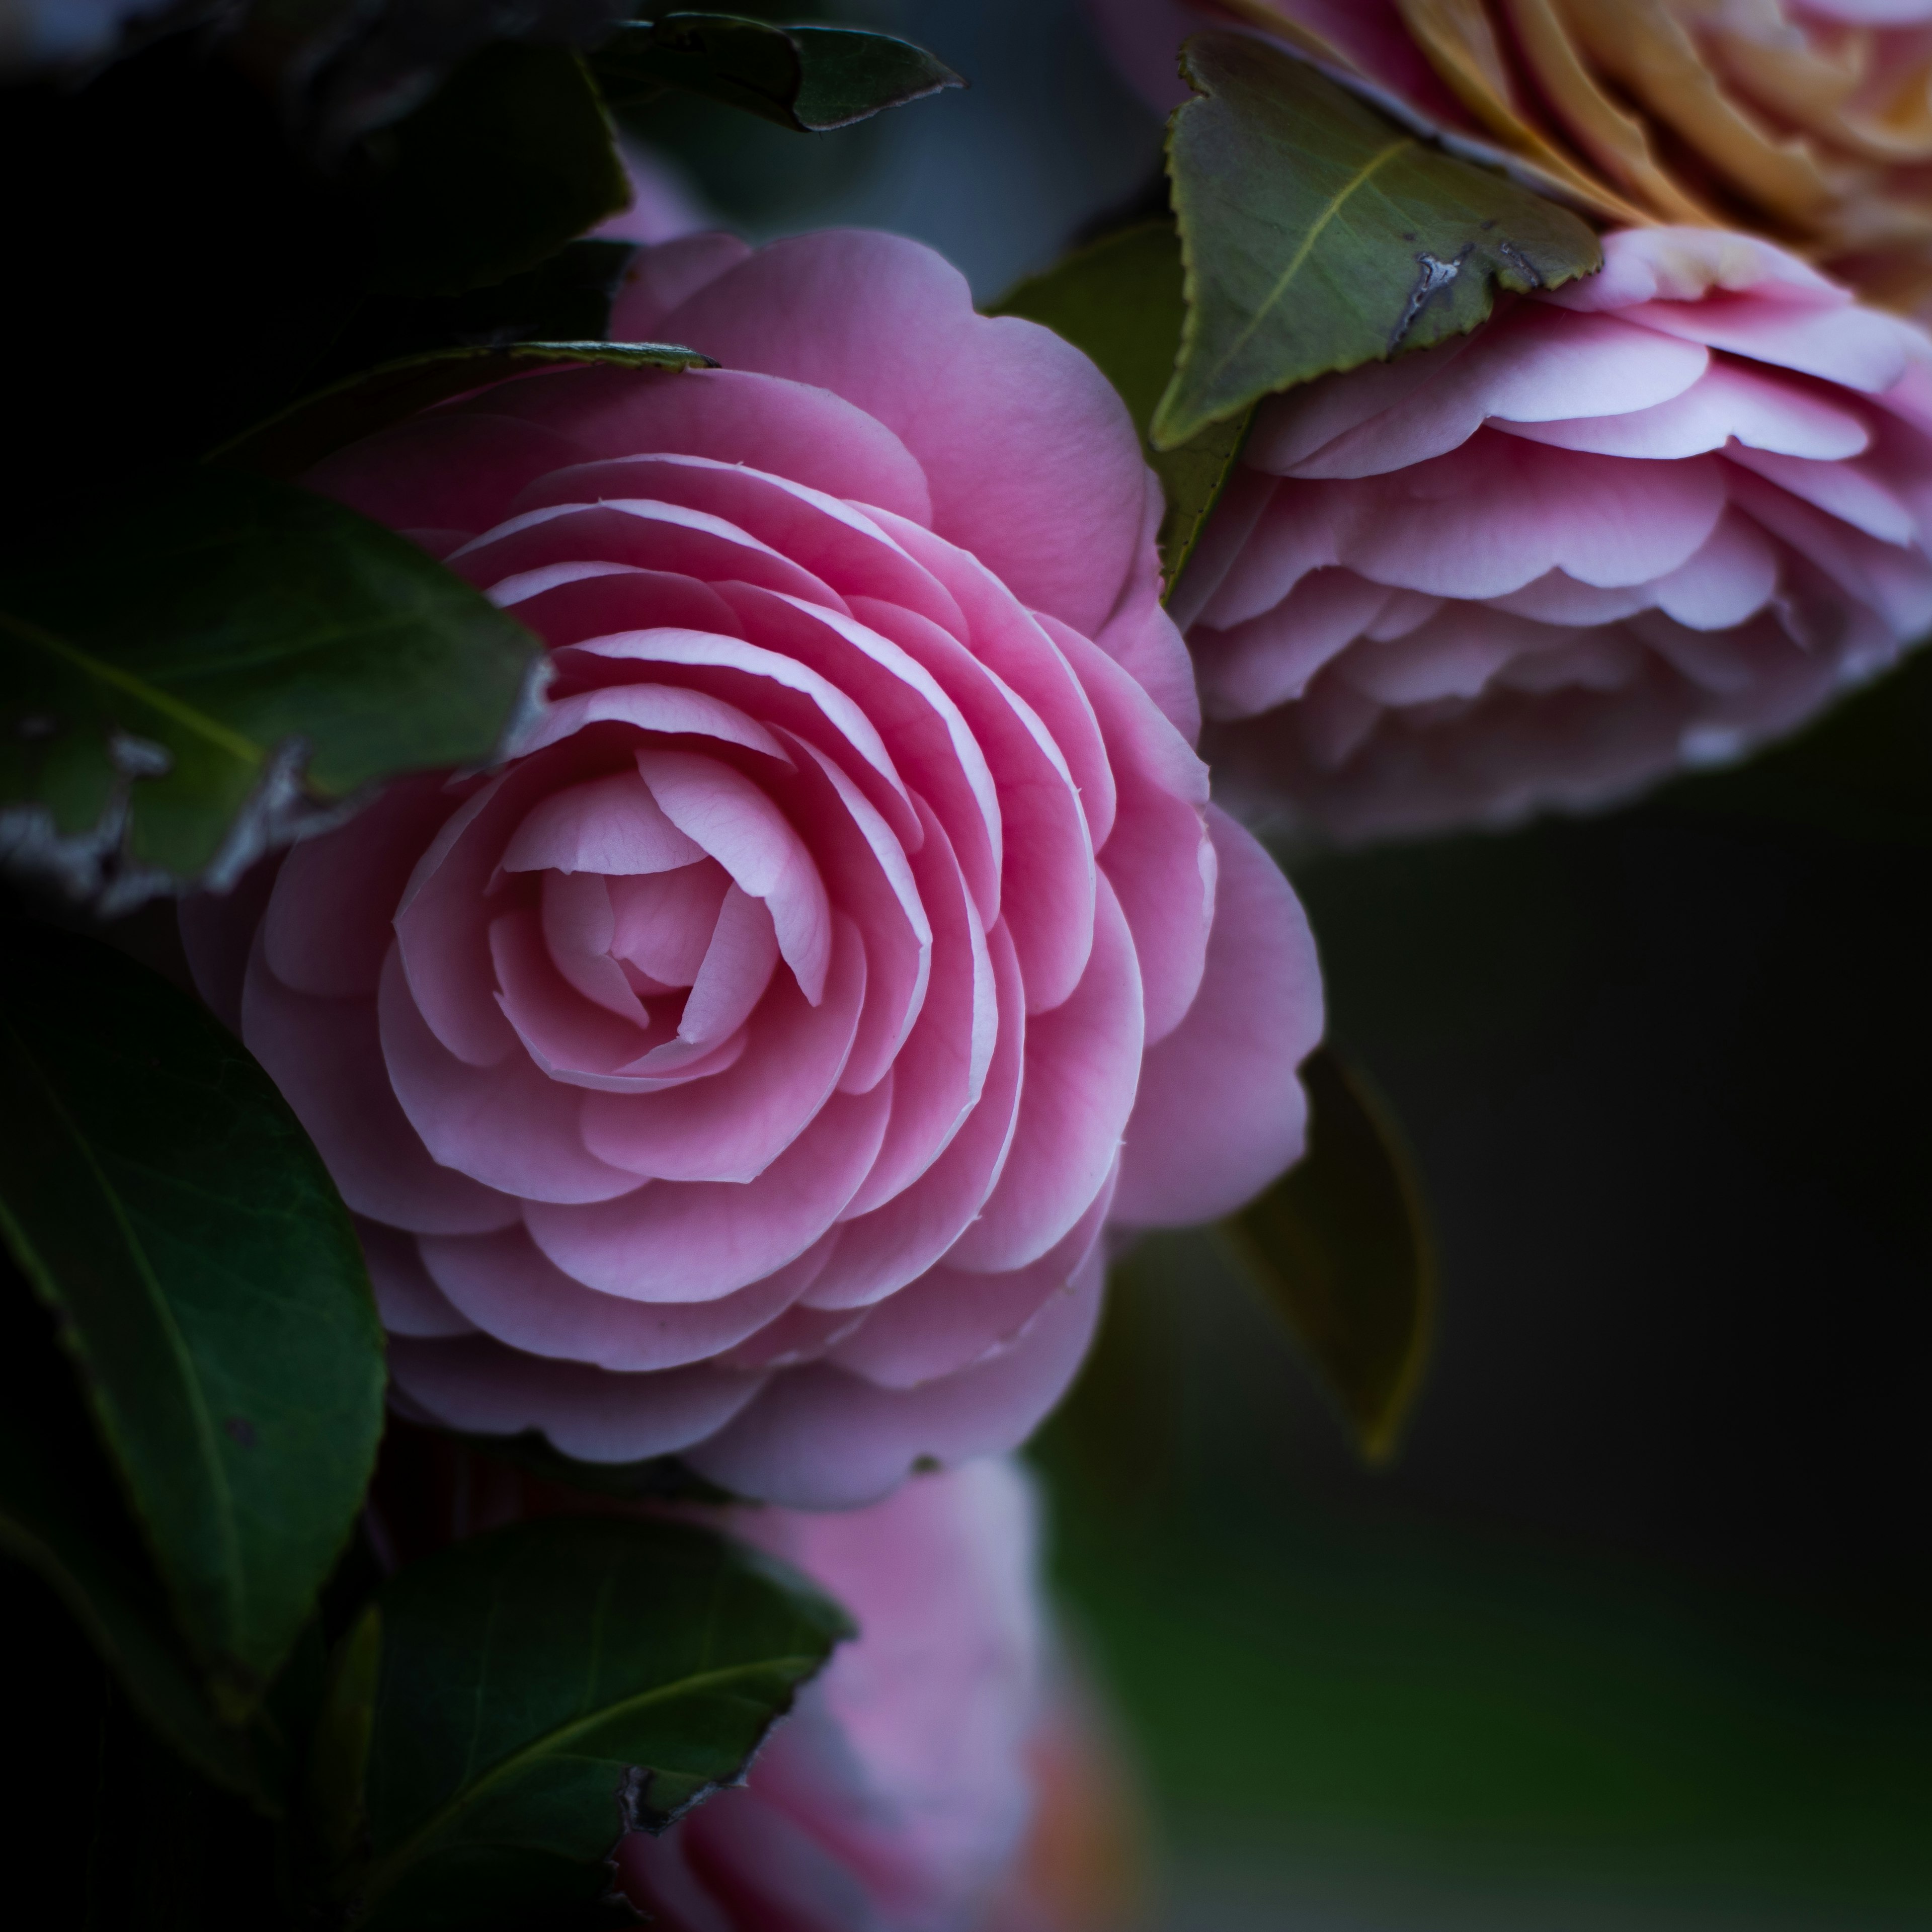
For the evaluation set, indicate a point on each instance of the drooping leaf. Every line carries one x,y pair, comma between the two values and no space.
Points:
511,158
164,1203
807,78
1340,1245
220,665
1120,299
508,1707
306,431
1319,234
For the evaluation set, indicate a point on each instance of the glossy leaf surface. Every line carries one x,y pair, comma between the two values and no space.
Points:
807,78
205,1279
1341,1247
508,1708
1319,234
307,431
1120,299
205,673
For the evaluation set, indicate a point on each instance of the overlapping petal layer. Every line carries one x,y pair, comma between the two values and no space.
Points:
744,1071
1647,521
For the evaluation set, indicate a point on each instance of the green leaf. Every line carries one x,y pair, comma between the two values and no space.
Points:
1341,1247
60,1515
1120,299
508,1707
166,1205
212,669
1319,234
807,79
510,158
306,431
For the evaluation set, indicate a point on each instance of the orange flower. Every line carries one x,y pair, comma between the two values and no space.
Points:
1808,120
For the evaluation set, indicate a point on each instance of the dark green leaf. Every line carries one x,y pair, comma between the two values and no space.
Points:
1319,234
61,1514
308,431
807,78
566,298
510,1706
1120,299
164,1203
1341,1247
213,669
509,159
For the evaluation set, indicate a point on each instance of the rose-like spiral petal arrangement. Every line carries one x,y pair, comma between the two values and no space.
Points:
1648,520
744,1071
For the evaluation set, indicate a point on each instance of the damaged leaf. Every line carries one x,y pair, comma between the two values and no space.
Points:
807,78
221,666
1341,1248
1318,234
206,1283
1119,299
307,431
510,1706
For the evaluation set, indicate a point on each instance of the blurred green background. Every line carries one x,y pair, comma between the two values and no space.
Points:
1635,1631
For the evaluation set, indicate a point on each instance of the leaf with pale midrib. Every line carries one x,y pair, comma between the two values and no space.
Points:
509,1707
163,1201
204,672
1319,235
1340,1247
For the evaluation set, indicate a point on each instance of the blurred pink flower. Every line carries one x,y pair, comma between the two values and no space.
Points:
1649,520
899,1795
744,1072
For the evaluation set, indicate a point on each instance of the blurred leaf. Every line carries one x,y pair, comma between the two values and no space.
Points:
1341,1247
1318,234
215,668
344,68
165,1204
305,432
1120,300
807,78
511,158
509,1707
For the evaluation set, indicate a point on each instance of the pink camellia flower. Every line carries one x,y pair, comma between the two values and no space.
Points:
900,1794
1652,519
744,1072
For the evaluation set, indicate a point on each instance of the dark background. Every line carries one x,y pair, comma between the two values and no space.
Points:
1634,1632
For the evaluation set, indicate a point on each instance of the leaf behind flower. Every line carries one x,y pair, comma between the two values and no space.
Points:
1120,300
1319,234
509,1708
1341,1248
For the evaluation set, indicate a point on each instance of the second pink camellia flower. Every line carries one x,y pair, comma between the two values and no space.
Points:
748,1070
1650,520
